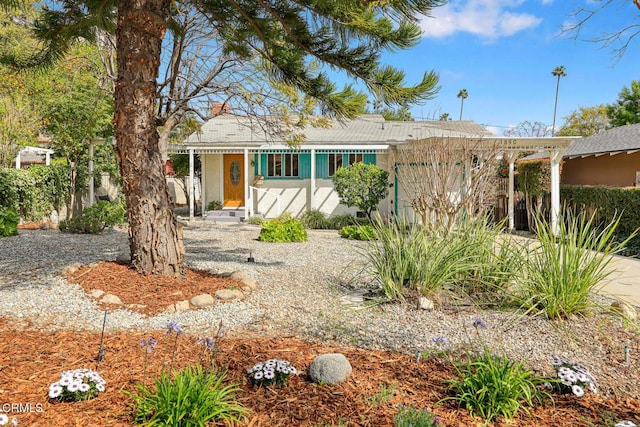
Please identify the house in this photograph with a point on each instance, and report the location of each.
(248, 169)
(243, 166)
(610, 157)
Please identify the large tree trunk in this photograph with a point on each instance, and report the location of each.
(155, 238)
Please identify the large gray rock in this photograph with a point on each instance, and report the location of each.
(331, 368)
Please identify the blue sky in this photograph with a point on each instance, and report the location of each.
(503, 52)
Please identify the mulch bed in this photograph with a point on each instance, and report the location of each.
(151, 294)
(30, 360)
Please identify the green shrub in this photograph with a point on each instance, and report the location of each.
(96, 218)
(358, 232)
(339, 221)
(9, 221)
(489, 386)
(284, 229)
(409, 416)
(560, 274)
(314, 219)
(361, 185)
(193, 397)
(214, 205)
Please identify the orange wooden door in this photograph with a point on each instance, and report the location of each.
(233, 180)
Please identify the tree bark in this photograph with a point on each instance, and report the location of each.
(155, 237)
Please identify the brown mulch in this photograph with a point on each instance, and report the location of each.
(30, 360)
(148, 295)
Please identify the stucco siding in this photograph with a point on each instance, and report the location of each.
(618, 170)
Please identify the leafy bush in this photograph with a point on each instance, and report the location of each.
(362, 185)
(409, 416)
(560, 274)
(96, 218)
(491, 386)
(214, 205)
(283, 229)
(337, 222)
(358, 232)
(314, 219)
(9, 221)
(193, 397)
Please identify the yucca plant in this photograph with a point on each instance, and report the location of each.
(563, 269)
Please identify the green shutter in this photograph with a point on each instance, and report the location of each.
(255, 164)
(322, 166)
(369, 159)
(304, 165)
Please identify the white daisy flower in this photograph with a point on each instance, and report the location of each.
(73, 387)
(577, 390)
(4, 419)
(100, 387)
(84, 387)
(269, 374)
(258, 375)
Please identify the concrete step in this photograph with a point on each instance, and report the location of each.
(225, 215)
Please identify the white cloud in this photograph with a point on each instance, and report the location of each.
(489, 19)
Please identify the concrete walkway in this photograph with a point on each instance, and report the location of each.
(624, 283)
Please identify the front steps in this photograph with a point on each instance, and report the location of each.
(225, 215)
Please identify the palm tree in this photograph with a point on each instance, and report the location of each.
(463, 94)
(557, 72)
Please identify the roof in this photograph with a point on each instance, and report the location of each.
(372, 129)
(611, 141)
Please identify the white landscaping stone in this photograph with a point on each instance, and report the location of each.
(70, 269)
(111, 299)
(625, 309)
(238, 275)
(228, 294)
(96, 293)
(331, 368)
(202, 300)
(250, 283)
(182, 306)
(425, 303)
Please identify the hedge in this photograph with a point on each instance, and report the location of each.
(606, 202)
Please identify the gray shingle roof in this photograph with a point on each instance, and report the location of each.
(367, 129)
(623, 138)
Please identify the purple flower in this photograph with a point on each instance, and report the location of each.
(436, 420)
(208, 343)
(149, 344)
(173, 327)
(478, 323)
(440, 340)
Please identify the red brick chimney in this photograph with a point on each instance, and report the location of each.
(219, 108)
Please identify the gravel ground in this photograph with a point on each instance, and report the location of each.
(306, 289)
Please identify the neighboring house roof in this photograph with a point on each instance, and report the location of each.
(612, 141)
(369, 129)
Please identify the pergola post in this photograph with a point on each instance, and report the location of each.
(191, 183)
(555, 158)
(246, 182)
(313, 180)
(510, 156)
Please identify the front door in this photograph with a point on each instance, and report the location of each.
(233, 180)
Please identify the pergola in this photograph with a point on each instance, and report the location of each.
(33, 151)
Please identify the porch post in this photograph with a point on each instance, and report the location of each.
(312, 202)
(203, 199)
(511, 157)
(191, 183)
(555, 159)
(18, 160)
(47, 158)
(246, 182)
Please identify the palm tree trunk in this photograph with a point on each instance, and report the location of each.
(155, 238)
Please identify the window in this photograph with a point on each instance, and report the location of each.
(282, 165)
(335, 163)
(355, 158)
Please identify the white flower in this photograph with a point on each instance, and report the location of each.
(100, 387)
(577, 390)
(55, 390)
(625, 424)
(271, 363)
(84, 387)
(4, 419)
(593, 388)
(73, 387)
(65, 380)
(582, 377)
(269, 374)
(258, 375)
(14, 422)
